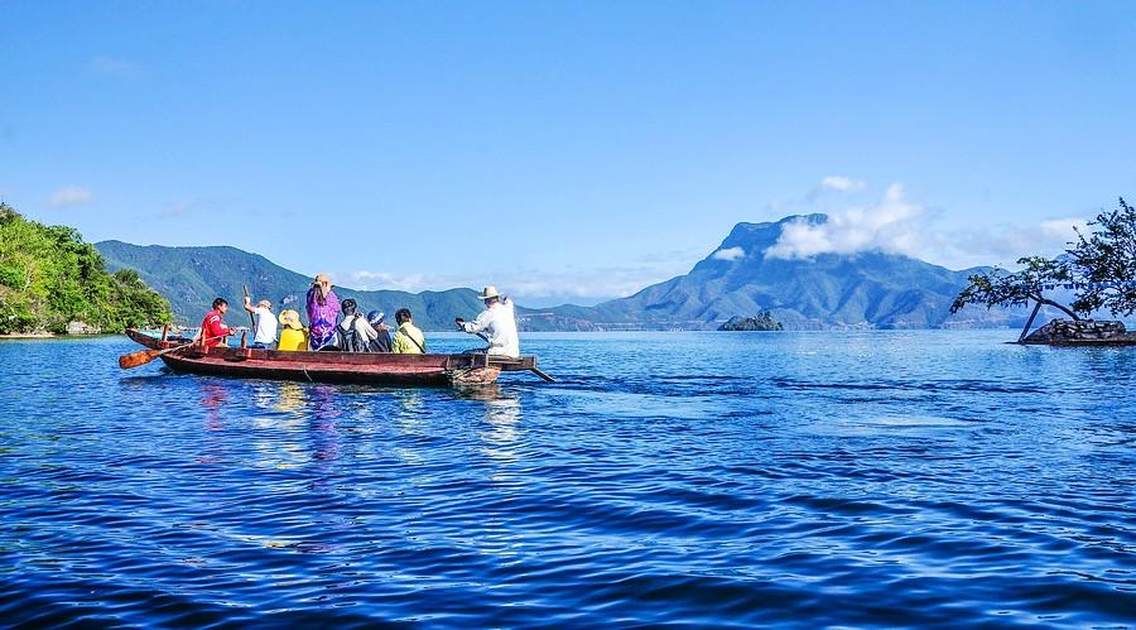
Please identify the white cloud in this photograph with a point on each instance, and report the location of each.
(1000, 244)
(1063, 228)
(114, 67)
(70, 196)
(863, 222)
(892, 225)
(730, 253)
(415, 282)
(895, 225)
(841, 183)
(531, 286)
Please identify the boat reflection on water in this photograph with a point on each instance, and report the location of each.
(213, 398)
(278, 429)
(326, 412)
(409, 412)
(290, 397)
(499, 436)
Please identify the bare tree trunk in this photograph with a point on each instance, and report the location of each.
(1029, 323)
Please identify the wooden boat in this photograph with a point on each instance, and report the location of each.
(334, 367)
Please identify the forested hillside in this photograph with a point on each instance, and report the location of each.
(190, 277)
(50, 277)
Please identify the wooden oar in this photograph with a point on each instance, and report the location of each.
(547, 379)
(534, 369)
(248, 299)
(142, 357)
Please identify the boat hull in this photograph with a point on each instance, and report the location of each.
(423, 370)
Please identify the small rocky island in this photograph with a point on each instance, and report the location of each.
(762, 321)
(1087, 332)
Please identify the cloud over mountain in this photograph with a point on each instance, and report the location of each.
(729, 253)
(891, 225)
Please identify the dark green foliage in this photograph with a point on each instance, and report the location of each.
(1105, 262)
(1101, 267)
(49, 277)
(998, 287)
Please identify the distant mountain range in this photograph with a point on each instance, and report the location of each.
(864, 290)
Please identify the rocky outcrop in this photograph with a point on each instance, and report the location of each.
(763, 321)
(1067, 331)
(81, 328)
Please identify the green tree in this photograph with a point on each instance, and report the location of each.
(49, 277)
(1101, 267)
(1105, 262)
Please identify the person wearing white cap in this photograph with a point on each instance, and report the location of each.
(264, 323)
(497, 324)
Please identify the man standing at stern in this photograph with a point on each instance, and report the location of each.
(497, 324)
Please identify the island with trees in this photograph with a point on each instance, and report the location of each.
(1098, 270)
(53, 282)
(762, 321)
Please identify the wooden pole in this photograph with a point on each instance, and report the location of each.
(252, 321)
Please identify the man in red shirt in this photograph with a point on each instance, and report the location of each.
(213, 328)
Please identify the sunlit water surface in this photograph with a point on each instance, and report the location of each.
(700, 479)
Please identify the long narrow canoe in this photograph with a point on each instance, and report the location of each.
(335, 367)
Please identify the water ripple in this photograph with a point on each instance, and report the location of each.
(860, 479)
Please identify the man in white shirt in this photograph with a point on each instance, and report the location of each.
(264, 323)
(497, 324)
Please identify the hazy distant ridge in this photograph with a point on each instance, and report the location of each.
(865, 290)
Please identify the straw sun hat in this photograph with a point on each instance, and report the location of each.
(489, 292)
(290, 319)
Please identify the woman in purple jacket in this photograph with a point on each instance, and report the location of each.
(323, 312)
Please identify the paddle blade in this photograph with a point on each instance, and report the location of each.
(134, 359)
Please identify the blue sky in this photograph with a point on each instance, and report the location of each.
(565, 151)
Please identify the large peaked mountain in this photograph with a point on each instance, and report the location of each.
(865, 290)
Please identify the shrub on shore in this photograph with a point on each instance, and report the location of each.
(49, 277)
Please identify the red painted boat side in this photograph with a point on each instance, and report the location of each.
(328, 367)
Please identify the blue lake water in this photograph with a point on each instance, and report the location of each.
(700, 479)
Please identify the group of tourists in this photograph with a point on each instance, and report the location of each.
(335, 325)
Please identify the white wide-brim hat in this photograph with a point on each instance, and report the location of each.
(489, 292)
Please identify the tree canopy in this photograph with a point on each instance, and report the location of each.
(49, 277)
(1105, 262)
(1100, 267)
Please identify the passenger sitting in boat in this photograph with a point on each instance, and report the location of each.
(354, 333)
(213, 328)
(382, 343)
(264, 323)
(407, 339)
(323, 312)
(497, 324)
(293, 337)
